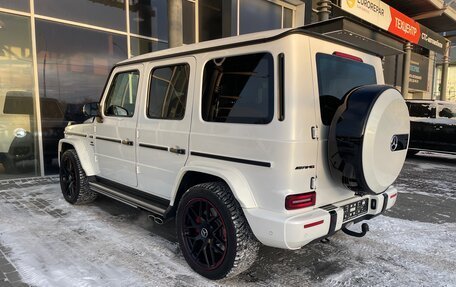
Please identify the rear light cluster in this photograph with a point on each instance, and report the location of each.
(303, 200)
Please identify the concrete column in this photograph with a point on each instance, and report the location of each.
(324, 10)
(444, 83)
(406, 69)
(175, 25)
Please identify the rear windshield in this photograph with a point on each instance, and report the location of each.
(337, 76)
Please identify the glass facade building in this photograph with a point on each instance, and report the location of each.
(55, 56)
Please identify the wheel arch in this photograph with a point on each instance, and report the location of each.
(84, 151)
(238, 185)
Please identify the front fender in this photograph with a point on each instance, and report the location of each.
(85, 154)
(234, 178)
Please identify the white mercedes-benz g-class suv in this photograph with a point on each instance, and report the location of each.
(281, 137)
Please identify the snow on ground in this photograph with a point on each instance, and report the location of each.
(55, 244)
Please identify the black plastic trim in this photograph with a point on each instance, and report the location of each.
(232, 159)
(163, 148)
(329, 207)
(281, 84)
(108, 139)
(332, 223)
(385, 202)
(133, 192)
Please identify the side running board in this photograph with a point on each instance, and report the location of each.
(128, 198)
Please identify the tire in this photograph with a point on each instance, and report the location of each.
(368, 139)
(73, 180)
(213, 233)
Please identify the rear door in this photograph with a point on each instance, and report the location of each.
(164, 124)
(337, 70)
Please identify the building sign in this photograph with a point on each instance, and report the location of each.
(419, 72)
(386, 17)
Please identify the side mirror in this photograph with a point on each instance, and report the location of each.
(90, 110)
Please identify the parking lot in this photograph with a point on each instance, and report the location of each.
(46, 242)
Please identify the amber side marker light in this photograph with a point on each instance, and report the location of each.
(348, 56)
(303, 200)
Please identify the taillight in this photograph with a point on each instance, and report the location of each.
(303, 200)
(348, 56)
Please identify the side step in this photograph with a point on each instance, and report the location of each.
(134, 200)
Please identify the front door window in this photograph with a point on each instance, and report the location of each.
(121, 98)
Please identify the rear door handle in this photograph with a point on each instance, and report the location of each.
(177, 150)
(127, 142)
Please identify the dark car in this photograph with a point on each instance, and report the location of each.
(22, 147)
(432, 126)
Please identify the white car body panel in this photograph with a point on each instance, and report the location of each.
(291, 160)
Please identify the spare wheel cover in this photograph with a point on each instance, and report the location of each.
(368, 139)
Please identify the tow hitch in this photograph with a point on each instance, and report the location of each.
(364, 230)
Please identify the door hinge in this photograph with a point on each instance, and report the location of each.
(313, 182)
(314, 132)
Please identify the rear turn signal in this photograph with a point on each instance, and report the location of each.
(297, 201)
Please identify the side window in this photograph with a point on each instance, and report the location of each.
(239, 89)
(421, 110)
(168, 92)
(121, 98)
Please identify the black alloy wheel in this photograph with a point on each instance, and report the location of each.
(68, 179)
(214, 235)
(204, 233)
(73, 179)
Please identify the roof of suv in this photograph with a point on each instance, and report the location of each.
(234, 41)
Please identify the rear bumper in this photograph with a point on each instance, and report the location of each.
(292, 232)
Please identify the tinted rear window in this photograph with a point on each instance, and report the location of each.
(337, 76)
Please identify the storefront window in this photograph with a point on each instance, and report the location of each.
(73, 64)
(18, 142)
(217, 19)
(259, 15)
(149, 18)
(287, 18)
(106, 13)
(22, 5)
(188, 19)
(141, 46)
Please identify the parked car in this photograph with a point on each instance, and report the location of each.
(432, 126)
(18, 129)
(280, 137)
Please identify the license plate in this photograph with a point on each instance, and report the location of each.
(355, 209)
